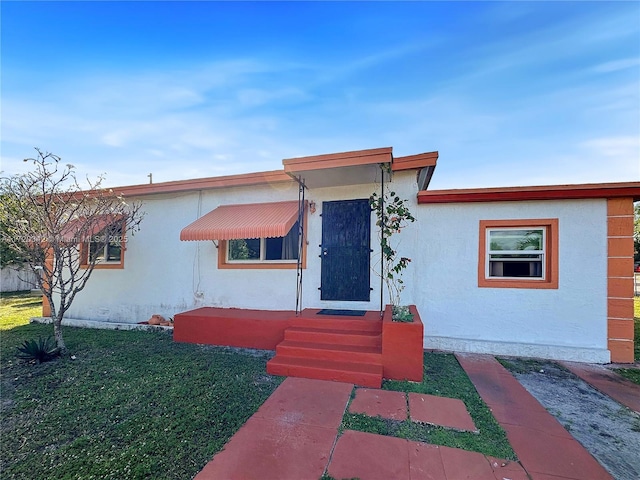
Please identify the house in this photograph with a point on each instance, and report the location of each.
(544, 271)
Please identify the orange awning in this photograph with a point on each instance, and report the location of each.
(82, 229)
(255, 220)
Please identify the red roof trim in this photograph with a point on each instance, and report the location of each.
(333, 160)
(241, 180)
(413, 162)
(544, 192)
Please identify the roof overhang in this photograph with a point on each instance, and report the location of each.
(544, 192)
(228, 181)
(424, 163)
(253, 220)
(339, 169)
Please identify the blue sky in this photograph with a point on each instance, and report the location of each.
(514, 93)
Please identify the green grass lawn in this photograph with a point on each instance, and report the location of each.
(443, 376)
(131, 405)
(137, 405)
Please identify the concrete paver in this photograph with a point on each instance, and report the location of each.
(425, 462)
(310, 402)
(294, 435)
(610, 383)
(385, 403)
(289, 437)
(548, 452)
(265, 449)
(368, 456)
(447, 412)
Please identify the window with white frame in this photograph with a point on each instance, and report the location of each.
(516, 253)
(275, 250)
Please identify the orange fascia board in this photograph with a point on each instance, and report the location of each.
(414, 162)
(334, 160)
(543, 192)
(241, 180)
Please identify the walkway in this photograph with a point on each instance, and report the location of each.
(545, 449)
(294, 435)
(605, 381)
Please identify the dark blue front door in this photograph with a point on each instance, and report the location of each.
(345, 250)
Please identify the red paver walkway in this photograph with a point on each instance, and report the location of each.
(294, 436)
(289, 437)
(368, 456)
(447, 412)
(385, 403)
(608, 382)
(545, 449)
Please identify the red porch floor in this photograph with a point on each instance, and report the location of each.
(324, 347)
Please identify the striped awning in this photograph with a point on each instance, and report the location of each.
(83, 229)
(255, 220)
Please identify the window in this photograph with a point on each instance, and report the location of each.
(518, 253)
(278, 252)
(106, 247)
(278, 249)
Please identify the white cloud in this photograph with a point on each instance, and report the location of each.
(616, 65)
(628, 146)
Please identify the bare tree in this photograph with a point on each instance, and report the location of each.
(61, 230)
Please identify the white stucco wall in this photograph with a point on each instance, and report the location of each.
(565, 323)
(165, 275)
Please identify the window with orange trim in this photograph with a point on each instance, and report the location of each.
(107, 248)
(518, 253)
(264, 253)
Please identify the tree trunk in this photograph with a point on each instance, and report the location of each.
(57, 333)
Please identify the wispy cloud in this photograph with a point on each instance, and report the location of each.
(617, 65)
(512, 95)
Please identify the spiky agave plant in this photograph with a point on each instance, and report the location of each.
(41, 350)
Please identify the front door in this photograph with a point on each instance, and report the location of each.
(345, 250)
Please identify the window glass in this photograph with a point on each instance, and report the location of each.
(516, 239)
(106, 246)
(265, 249)
(506, 253)
(244, 249)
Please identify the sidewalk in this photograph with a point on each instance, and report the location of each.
(605, 381)
(545, 449)
(294, 435)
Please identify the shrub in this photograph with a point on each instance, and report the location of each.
(41, 350)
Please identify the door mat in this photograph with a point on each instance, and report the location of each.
(344, 313)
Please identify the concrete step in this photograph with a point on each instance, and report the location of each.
(327, 351)
(333, 336)
(362, 374)
(338, 323)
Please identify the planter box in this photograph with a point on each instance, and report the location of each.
(402, 347)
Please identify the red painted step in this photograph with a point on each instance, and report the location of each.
(333, 336)
(363, 374)
(326, 351)
(338, 323)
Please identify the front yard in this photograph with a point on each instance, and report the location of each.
(131, 405)
(137, 405)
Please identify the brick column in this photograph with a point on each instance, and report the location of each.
(620, 279)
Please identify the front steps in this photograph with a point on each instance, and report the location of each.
(344, 349)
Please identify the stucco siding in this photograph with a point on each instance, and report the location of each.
(165, 275)
(455, 309)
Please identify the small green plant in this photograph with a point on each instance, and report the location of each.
(401, 313)
(393, 215)
(41, 350)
